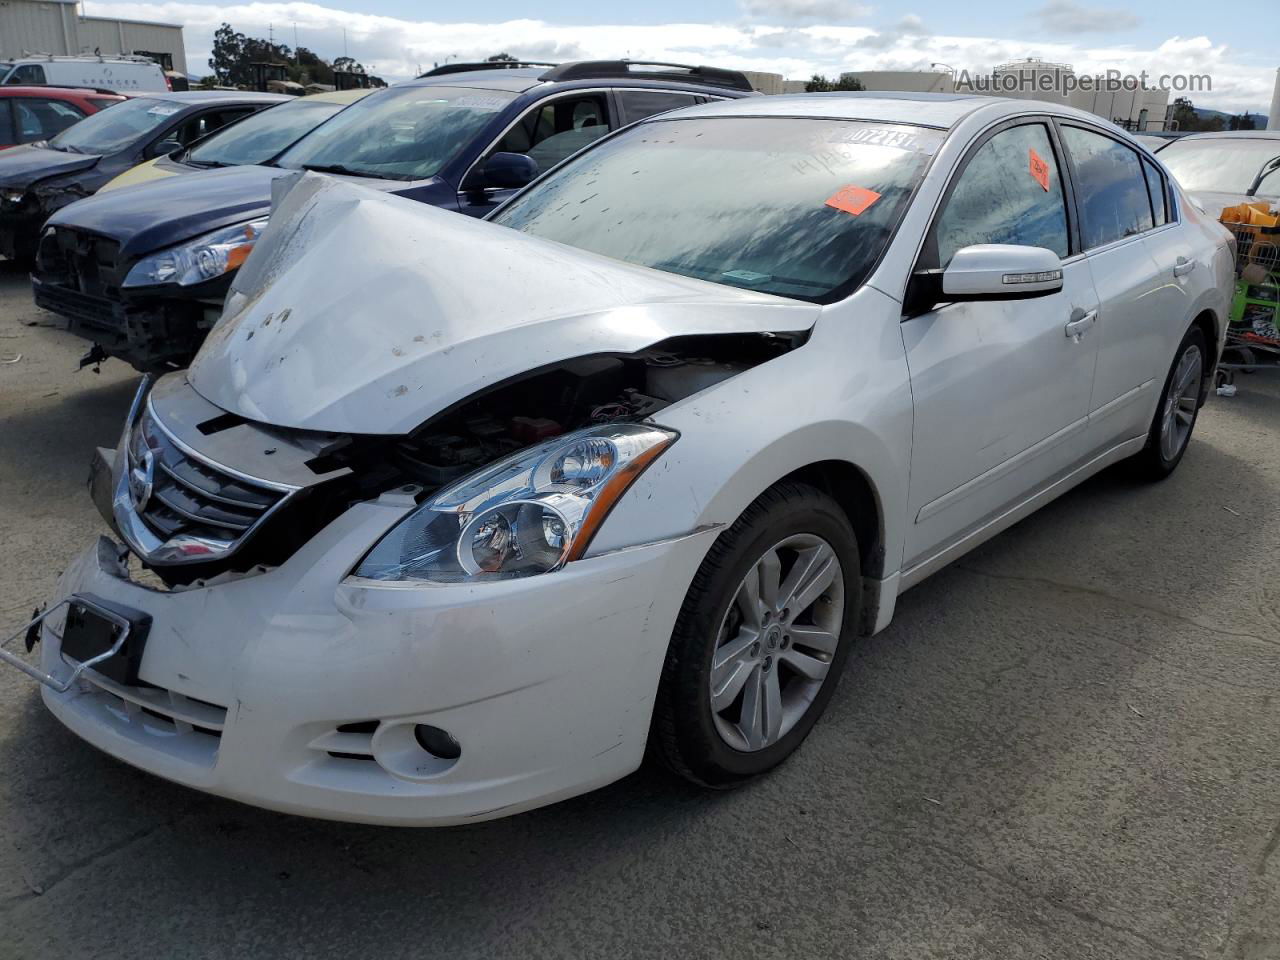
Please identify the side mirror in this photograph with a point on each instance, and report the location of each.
(1001, 271)
(509, 170)
(164, 148)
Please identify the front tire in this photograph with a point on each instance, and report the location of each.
(761, 639)
(1179, 407)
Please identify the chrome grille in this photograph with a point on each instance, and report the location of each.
(181, 498)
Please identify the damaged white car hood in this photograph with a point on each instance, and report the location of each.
(359, 312)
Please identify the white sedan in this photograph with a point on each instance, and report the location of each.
(452, 519)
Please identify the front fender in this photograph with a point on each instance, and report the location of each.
(844, 395)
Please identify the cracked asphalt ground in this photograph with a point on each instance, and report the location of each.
(1065, 746)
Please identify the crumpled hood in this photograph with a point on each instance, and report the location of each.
(359, 312)
(20, 167)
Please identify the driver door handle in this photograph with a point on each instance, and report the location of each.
(1080, 323)
(1183, 266)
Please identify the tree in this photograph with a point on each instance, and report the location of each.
(500, 56)
(233, 54)
(818, 83)
(1242, 122)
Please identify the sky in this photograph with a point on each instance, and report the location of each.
(1237, 45)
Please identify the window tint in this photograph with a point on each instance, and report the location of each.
(557, 130)
(40, 119)
(1010, 192)
(1111, 188)
(638, 104)
(799, 208)
(1156, 191)
(27, 73)
(103, 102)
(6, 125)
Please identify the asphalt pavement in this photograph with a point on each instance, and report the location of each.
(1067, 745)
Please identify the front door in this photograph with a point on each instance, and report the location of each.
(548, 132)
(1000, 387)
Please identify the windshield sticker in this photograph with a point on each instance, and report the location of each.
(164, 109)
(481, 103)
(854, 200)
(1039, 170)
(879, 136)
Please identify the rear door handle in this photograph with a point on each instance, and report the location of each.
(1080, 323)
(1183, 266)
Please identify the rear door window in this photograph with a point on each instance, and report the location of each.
(6, 124)
(638, 104)
(1110, 186)
(1010, 191)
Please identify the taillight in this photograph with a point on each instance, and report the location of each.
(168, 82)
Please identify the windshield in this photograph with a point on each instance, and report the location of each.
(110, 131)
(405, 133)
(261, 136)
(1222, 164)
(800, 208)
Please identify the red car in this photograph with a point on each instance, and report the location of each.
(28, 114)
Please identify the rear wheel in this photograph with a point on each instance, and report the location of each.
(1175, 417)
(761, 639)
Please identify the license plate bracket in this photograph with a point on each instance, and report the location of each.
(87, 634)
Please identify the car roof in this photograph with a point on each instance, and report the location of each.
(35, 90)
(215, 96)
(516, 80)
(336, 96)
(941, 111)
(1234, 135)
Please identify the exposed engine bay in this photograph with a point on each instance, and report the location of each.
(338, 470)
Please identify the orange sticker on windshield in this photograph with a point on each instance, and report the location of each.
(853, 200)
(1039, 169)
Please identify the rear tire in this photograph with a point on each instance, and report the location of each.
(1176, 414)
(761, 639)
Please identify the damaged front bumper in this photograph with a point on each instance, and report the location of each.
(299, 689)
(150, 334)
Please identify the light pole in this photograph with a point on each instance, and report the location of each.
(951, 70)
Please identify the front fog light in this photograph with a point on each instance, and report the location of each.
(528, 514)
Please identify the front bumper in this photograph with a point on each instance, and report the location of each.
(547, 683)
(151, 334)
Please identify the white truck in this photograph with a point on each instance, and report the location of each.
(125, 74)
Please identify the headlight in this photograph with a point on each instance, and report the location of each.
(198, 260)
(11, 198)
(530, 513)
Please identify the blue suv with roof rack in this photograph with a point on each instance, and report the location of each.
(142, 271)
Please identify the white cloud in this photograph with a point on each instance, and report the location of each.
(824, 10)
(1065, 16)
(912, 24)
(396, 48)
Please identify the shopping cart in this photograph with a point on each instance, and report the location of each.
(1253, 334)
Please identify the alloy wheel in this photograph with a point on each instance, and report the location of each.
(776, 642)
(1180, 403)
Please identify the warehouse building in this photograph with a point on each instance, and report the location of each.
(56, 27)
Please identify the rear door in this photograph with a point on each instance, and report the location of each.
(1001, 389)
(1134, 293)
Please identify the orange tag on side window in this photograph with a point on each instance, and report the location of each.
(1039, 169)
(853, 200)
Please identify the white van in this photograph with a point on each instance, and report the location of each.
(119, 74)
